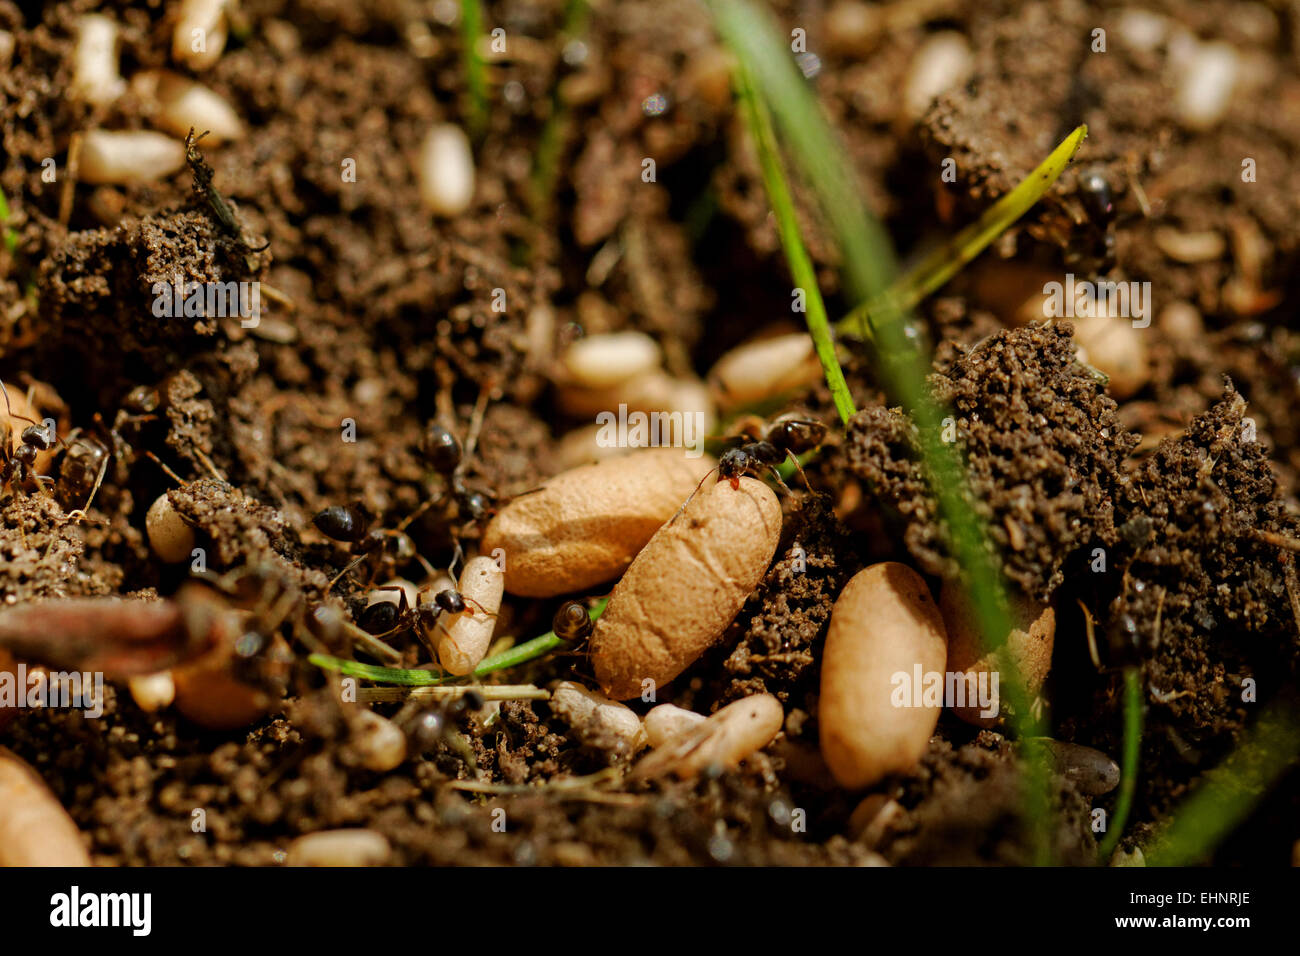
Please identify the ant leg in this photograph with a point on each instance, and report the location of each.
(457, 556)
(338, 577)
(481, 608)
(405, 523)
(99, 479)
(166, 470)
(776, 475)
(692, 495)
(799, 468)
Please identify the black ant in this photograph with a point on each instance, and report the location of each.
(82, 469)
(769, 446)
(1098, 200)
(351, 524)
(383, 618)
(434, 725)
(18, 465)
(442, 451)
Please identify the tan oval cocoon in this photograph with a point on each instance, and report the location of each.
(599, 361)
(340, 848)
(131, 156)
(35, 830)
(1029, 643)
(686, 586)
(668, 721)
(585, 525)
(884, 622)
(757, 370)
(468, 635)
(179, 105)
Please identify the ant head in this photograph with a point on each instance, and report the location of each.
(475, 505)
(1095, 194)
(41, 435)
(733, 463)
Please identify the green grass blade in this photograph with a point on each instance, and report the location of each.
(1133, 703)
(801, 266)
(10, 237)
(471, 29)
(550, 142)
(944, 262)
(415, 677)
(1230, 791)
(901, 366)
(869, 262)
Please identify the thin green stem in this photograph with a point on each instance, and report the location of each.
(1229, 792)
(1129, 767)
(554, 132)
(471, 29)
(801, 267)
(417, 677)
(944, 262)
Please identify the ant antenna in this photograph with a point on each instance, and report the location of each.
(166, 470)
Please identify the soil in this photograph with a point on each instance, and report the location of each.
(381, 319)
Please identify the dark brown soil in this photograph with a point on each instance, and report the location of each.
(383, 318)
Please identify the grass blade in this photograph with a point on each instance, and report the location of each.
(471, 29)
(416, 677)
(1230, 791)
(943, 263)
(1132, 748)
(869, 262)
(801, 267)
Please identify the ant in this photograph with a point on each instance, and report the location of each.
(82, 469)
(351, 524)
(203, 186)
(383, 618)
(769, 445)
(434, 725)
(18, 465)
(442, 451)
(1098, 201)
